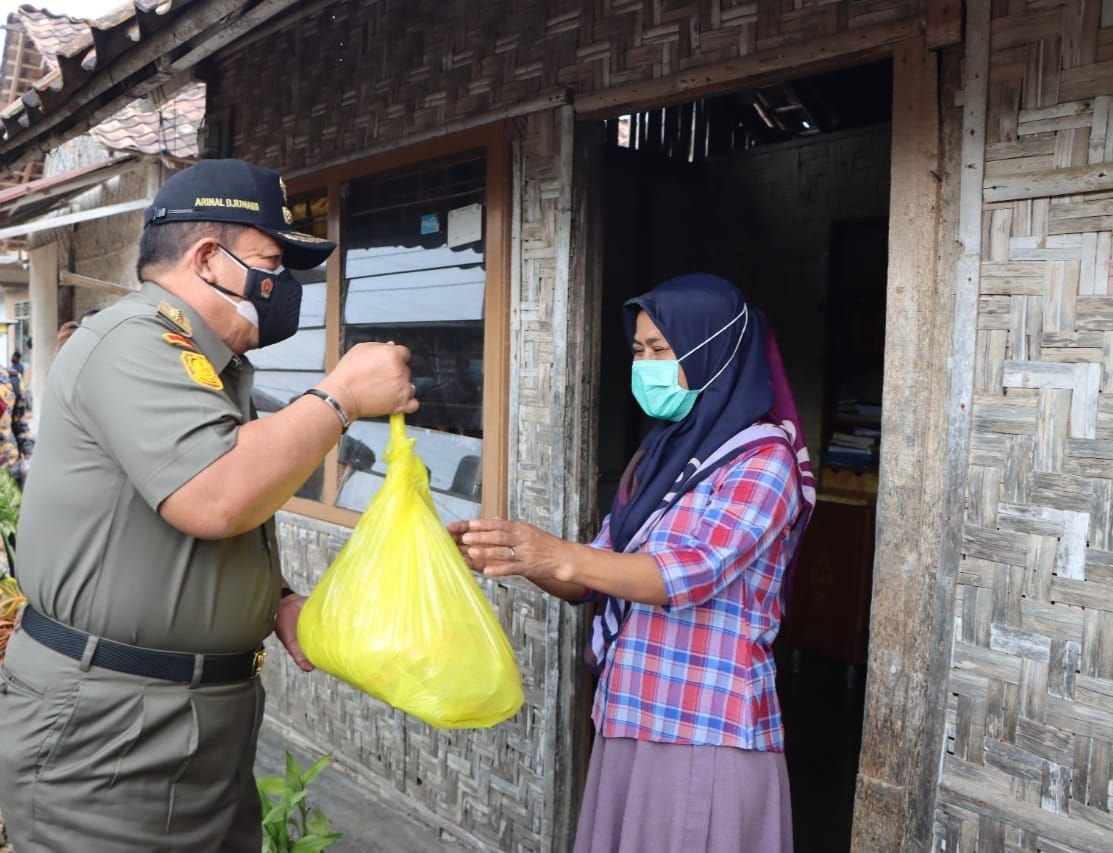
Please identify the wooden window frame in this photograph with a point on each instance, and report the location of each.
(493, 139)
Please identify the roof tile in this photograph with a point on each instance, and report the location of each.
(75, 49)
(53, 34)
(66, 44)
(167, 129)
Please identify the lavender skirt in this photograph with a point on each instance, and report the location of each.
(675, 798)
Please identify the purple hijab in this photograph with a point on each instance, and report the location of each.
(752, 387)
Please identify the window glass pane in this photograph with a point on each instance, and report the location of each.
(413, 272)
(284, 370)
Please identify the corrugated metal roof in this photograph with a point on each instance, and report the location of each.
(28, 201)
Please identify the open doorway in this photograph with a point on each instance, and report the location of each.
(783, 190)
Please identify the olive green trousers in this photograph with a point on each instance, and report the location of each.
(102, 762)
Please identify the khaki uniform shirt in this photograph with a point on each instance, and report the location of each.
(141, 399)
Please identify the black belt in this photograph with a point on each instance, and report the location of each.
(133, 660)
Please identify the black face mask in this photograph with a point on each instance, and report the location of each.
(273, 303)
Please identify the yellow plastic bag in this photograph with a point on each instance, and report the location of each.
(399, 615)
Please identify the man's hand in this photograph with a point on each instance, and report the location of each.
(373, 379)
(286, 629)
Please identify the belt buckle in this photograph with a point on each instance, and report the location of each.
(257, 662)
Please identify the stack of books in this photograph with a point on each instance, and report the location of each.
(857, 448)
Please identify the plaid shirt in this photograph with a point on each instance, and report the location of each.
(700, 670)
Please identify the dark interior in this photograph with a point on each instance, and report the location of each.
(783, 190)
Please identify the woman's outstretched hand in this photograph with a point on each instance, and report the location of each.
(498, 548)
(457, 529)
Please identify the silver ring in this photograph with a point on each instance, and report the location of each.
(513, 554)
(413, 390)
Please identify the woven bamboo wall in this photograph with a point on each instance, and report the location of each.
(1029, 749)
(335, 82)
(494, 787)
(370, 75)
(101, 248)
(487, 787)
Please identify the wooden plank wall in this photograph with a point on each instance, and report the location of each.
(1028, 750)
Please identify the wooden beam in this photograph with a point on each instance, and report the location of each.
(247, 23)
(497, 311)
(895, 796)
(1072, 180)
(17, 63)
(74, 280)
(944, 23)
(44, 293)
(330, 489)
(305, 11)
(838, 51)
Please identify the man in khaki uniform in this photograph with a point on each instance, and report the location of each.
(129, 695)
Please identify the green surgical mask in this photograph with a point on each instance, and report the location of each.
(655, 383)
(656, 387)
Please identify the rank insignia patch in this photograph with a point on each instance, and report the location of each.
(179, 340)
(201, 370)
(175, 316)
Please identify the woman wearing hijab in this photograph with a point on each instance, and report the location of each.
(689, 571)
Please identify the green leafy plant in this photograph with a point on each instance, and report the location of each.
(11, 597)
(290, 823)
(11, 499)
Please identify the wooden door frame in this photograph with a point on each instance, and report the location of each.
(918, 487)
(924, 423)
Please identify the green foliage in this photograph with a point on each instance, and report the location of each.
(10, 500)
(290, 824)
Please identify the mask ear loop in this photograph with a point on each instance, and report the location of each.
(744, 313)
(281, 268)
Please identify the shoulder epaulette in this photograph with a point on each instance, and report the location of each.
(176, 317)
